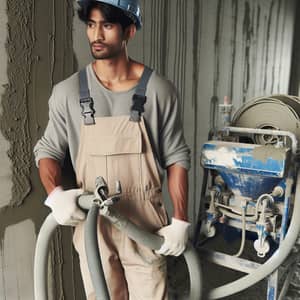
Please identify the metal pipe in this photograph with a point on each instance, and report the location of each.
(273, 263)
(287, 282)
(202, 195)
(243, 233)
(266, 131)
(225, 209)
(232, 215)
(287, 198)
(229, 261)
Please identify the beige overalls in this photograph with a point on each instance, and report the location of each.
(118, 148)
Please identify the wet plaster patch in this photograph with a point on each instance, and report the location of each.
(16, 265)
(14, 115)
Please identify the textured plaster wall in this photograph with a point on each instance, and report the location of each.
(17, 231)
(5, 170)
(35, 53)
(14, 119)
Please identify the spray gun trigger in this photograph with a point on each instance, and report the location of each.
(101, 193)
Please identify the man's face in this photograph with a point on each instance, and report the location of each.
(106, 39)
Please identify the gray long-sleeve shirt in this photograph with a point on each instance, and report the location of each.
(162, 118)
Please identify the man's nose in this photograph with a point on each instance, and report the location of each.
(98, 33)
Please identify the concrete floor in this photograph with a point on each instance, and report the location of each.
(214, 276)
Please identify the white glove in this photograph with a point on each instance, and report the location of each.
(176, 236)
(64, 206)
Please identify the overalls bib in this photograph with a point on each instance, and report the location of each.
(118, 148)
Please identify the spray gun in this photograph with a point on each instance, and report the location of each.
(102, 198)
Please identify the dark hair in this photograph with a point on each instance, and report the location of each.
(111, 13)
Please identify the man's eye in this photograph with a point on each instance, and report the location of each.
(108, 25)
(90, 25)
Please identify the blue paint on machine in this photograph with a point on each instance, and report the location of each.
(271, 293)
(248, 170)
(249, 185)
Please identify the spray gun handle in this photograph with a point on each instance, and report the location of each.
(86, 200)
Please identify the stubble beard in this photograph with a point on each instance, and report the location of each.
(108, 53)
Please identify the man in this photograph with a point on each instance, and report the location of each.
(120, 121)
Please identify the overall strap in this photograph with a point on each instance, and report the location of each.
(139, 98)
(86, 102)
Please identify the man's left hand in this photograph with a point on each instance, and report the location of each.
(176, 236)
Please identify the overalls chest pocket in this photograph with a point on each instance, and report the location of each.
(116, 157)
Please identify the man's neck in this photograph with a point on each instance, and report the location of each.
(112, 69)
(117, 74)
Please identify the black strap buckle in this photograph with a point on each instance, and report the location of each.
(138, 103)
(88, 111)
(138, 107)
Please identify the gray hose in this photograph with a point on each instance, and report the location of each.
(154, 242)
(134, 232)
(194, 267)
(93, 254)
(91, 245)
(41, 258)
(273, 263)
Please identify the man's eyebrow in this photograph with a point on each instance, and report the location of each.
(91, 21)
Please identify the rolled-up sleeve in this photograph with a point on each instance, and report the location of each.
(53, 143)
(173, 145)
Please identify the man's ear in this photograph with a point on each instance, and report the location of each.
(130, 32)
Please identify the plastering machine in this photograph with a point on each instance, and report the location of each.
(251, 185)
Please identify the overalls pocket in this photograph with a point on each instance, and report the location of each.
(116, 158)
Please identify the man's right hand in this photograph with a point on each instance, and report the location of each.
(64, 206)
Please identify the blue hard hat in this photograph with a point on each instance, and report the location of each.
(130, 7)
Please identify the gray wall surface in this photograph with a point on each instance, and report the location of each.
(36, 52)
(208, 48)
(5, 172)
(295, 72)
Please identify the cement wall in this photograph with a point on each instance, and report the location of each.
(209, 49)
(15, 265)
(5, 171)
(36, 51)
